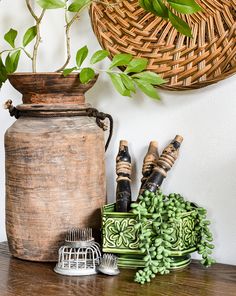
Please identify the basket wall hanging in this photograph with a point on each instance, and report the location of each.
(186, 63)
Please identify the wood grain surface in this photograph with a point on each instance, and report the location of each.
(22, 278)
(55, 180)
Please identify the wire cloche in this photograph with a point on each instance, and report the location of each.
(80, 255)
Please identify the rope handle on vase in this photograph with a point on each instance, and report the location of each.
(12, 109)
(100, 117)
(90, 112)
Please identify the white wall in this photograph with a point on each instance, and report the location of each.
(206, 169)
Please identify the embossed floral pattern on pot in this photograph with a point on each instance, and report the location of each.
(120, 233)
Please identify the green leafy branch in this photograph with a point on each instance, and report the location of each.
(155, 215)
(34, 32)
(167, 8)
(125, 82)
(13, 54)
(11, 62)
(75, 7)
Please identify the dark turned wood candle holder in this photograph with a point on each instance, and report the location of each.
(123, 171)
(164, 164)
(149, 163)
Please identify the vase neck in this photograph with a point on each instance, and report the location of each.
(54, 99)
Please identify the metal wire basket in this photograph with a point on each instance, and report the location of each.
(80, 255)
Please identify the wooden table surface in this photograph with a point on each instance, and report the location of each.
(22, 278)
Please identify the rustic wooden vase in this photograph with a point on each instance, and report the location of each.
(55, 172)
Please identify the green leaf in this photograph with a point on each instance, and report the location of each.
(147, 5)
(10, 37)
(118, 84)
(147, 88)
(3, 71)
(86, 75)
(134, 205)
(8, 63)
(29, 35)
(81, 55)
(99, 56)
(128, 82)
(77, 5)
(179, 24)
(137, 226)
(51, 4)
(1, 63)
(150, 77)
(12, 61)
(185, 6)
(67, 71)
(160, 9)
(158, 242)
(137, 65)
(121, 59)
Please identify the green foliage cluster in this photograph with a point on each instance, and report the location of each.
(13, 53)
(125, 82)
(134, 75)
(155, 232)
(167, 9)
(73, 6)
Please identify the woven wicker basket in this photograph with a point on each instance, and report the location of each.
(186, 63)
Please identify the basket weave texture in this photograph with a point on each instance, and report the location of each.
(186, 63)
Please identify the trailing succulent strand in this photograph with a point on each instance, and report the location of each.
(155, 214)
(205, 246)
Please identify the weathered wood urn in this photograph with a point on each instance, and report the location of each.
(55, 171)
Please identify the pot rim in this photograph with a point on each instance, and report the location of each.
(48, 74)
(50, 87)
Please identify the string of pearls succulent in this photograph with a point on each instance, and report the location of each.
(155, 212)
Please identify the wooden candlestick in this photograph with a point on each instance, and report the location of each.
(149, 162)
(123, 171)
(164, 164)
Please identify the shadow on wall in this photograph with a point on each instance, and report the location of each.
(100, 94)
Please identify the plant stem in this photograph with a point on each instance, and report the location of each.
(36, 46)
(8, 50)
(27, 53)
(31, 10)
(38, 37)
(106, 71)
(18, 48)
(68, 49)
(68, 27)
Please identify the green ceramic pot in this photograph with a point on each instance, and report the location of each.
(121, 238)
